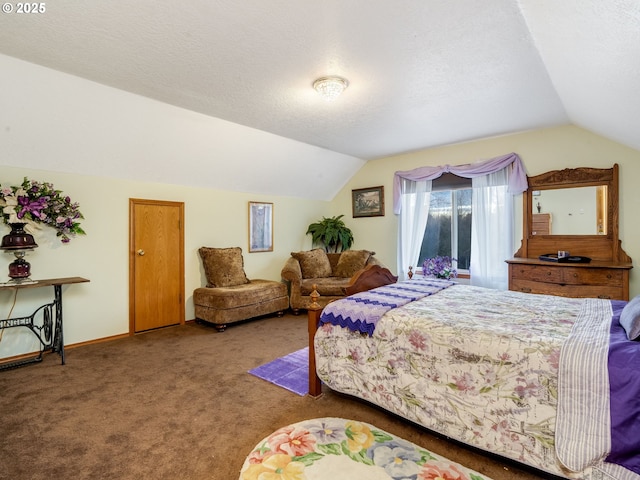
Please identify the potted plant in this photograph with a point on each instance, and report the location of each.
(332, 233)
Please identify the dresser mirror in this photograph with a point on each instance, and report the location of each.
(571, 211)
(574, 210)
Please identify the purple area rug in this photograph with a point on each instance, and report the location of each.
(290, 372)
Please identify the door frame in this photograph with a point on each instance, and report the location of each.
(132, 252)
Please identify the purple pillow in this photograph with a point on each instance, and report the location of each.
(630, 318)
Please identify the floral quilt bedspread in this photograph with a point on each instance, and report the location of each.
(485, 373)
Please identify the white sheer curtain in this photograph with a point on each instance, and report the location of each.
(491, 230)
(494, 182)
(415, 200)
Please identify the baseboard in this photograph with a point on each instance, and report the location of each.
(24, 356)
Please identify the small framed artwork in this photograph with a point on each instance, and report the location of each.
(368, 202)
(260, 227)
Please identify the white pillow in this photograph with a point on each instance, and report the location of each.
(630, 318)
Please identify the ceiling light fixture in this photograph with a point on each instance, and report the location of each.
(330, 88)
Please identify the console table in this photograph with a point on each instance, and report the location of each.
(49, 330)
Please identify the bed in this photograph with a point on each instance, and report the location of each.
(547, 381)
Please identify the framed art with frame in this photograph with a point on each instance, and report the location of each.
(368, 202)
(260, 227)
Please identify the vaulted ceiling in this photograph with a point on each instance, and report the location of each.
(422, 73)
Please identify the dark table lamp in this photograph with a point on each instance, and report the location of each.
(19, 243)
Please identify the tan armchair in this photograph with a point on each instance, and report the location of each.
(330, 272)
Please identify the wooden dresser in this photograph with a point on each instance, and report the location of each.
(594, 280)
(607, 275)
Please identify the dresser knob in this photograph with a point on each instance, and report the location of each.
(525, 290)
(575, 275)
(609, 275)
(548, 273)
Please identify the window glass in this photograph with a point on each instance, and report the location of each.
(448, 231)
(463, 211)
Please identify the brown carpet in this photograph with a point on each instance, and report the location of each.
(176, 403)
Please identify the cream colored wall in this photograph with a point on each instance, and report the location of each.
(541, 150)
(100, 308)
(47, 118)
(219, 218)
(50, 121)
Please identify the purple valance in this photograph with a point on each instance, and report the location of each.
(517, 178)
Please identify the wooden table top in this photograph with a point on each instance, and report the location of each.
(44, 283)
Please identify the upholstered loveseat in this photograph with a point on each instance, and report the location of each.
(330, 272)
(229, 295)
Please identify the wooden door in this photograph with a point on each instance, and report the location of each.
(156, 264)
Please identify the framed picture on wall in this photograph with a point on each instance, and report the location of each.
(260, 227)
(368, 202)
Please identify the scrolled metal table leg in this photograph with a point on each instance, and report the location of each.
(58, 339)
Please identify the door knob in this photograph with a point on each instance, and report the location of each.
(141, 252)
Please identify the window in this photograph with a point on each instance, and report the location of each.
(448, 229)
(495, 181)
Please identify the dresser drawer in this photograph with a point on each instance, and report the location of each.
(592, 276)
(588, 281)
(536, 273)
(565, 290)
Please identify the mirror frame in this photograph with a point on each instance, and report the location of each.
(598, 246)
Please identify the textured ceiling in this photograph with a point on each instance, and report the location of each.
(422, 73)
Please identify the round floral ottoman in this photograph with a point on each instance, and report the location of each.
(339, 449)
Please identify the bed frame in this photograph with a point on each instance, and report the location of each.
(366, 279)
